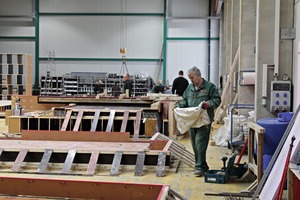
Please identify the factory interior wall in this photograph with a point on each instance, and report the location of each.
(187, 39)
(296, 56)
(89, 36)
(23, 30)
(84, 36)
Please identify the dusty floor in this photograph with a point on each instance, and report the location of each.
(184, 182)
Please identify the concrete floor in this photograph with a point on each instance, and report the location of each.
(184, 182)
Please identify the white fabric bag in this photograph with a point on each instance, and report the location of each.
(192, 117)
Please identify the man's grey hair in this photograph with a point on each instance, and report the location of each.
(194, 70)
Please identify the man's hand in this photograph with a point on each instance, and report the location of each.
(205, 105)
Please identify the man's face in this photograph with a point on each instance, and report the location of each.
(195, 79)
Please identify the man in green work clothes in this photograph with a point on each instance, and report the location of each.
(199, 91)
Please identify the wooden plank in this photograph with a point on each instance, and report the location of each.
(30, 103)
(75, 136)
(92, 163)
(260, 151)
(104, 101)
(95, 121)
(157, 144)
(78, 120)
(45, 160)
(116, 163)
(155, 136)
(28, 65)
(110, 120)
(66, 121)
(167, 146)
(19, 160)
(140, 160)
(81, 147)
(220, 109)
(60, 187)
(150, 127)
(69, 161)
(14, 124)
(172, 129)
(8, 113)
(124, 121)
(137, 125)
(257, 128)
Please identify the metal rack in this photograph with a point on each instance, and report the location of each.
(82, 83)
(238, 124)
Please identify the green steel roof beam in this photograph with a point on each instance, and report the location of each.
(191, 38)
(165, 42)
(17, 38)
(37, 45)
(102, 14)
(103, 59)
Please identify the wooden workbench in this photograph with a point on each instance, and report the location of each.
(293, 182)
(93, 100)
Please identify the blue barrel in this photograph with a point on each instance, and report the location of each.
(274, 130)
(266, 160)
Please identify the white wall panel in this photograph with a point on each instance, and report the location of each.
(214, 62)
(16, 31)
(145, 37)
(188, 8)
(16, 7)
(188, 28)
(103, 6)
(153, 6)
(100, 36)
(215, 27)
(135, 68)
(77, 37)
(183, 55)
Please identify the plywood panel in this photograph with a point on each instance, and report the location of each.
(30, 103)
(14, 125)
(150, 127)
(75, 136)
(28, 74)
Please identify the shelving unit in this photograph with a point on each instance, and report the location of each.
(52, 85)
(70, 85)
(15, 75)
(86, 85)
(140, 86)
(110, 80)
(82, 83)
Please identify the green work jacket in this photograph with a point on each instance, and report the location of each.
(206, 92)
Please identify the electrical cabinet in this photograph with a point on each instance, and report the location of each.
(15, 75)
(280, 96)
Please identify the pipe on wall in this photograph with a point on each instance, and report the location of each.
(276, 39)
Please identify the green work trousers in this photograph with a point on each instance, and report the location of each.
(199, 138)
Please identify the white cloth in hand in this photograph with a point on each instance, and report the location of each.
(192, 117)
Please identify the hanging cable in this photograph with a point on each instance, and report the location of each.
(123, 37)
